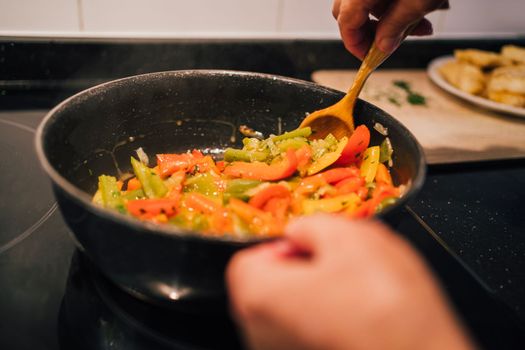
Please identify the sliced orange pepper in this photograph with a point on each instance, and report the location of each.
(265, 194)
(150, 208)
(259, 222)
(175, 185)
(357, 144)
(365, 210)
(278, 206)
(220, 221)
(383, 175)
(262, 171)
(201, 203)
(133, 184)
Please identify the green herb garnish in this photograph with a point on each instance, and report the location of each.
(413, 98)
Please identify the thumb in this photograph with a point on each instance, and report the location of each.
(318, 235)
(401, 19)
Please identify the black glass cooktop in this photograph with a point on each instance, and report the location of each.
(468, 222)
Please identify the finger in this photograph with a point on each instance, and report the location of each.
(335, 8)
(319, 235)
(355, 26)
(402, 16)
(254, 277)
(423, 28)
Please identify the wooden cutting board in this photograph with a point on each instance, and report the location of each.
(449, 129)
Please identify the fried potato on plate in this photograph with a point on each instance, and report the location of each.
(507, 85)
(464, 76)
(481, 58)
(514, 53)
(508, 98)
(508, 79)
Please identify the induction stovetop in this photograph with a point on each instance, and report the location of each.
(468, 224)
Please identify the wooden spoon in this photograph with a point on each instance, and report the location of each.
(338, 119)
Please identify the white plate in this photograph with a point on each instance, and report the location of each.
(435, 76)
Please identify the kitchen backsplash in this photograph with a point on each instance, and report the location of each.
(231, 18)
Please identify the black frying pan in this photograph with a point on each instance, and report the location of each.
(96, 131)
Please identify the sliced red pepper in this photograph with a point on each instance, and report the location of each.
(380, 193)
(383, 191)
(220, 165)
(150, 208)
(313, 183)
(197, 154)
(337, 174)
(262, 171)
(357, 144)
(205, 164)
(170, 163)
(271, 191)
(349, 185)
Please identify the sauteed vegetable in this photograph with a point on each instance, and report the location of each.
(257, 189)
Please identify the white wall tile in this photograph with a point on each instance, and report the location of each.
(231, 18)
(485, 17)
(39, 15)
(172, 16)
(305, 17)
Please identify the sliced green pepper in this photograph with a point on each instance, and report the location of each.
(232, 154)
(135, 194)
(198, 222)
(237, 188)
(302, 132)
(295, 143)
(110, 193)
(386, 203)
(152, 184)
(202, 183)
(330, 140)
(386, 151)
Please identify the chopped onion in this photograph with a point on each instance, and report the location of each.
(381, 129)
(143, 157)
(249, 132)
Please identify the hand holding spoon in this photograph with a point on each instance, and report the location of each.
(338, 119)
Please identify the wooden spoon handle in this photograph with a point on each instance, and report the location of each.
(372, 60)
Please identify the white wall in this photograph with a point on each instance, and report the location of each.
(230, 18)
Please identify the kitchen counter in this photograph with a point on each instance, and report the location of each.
(467, 221)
